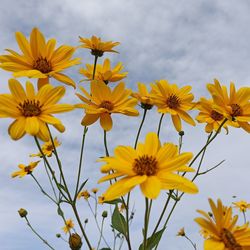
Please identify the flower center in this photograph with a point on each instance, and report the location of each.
(97, 52)
(216, 116)
(30, 108)
(145, 165)
(173, 102)
(229, 240)
(236, 110)
(43, 65)
(27, 169)
(106, 105)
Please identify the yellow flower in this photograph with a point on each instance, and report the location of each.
(150, 165)
(97, 46)
(85, 194)
(47, 148)
(235, 106)
(39, 59)
(25, 169)
(31, 110)
(242, 205)
(68, 225)
(209, 115)
(181, 232)
(102, 102)
(143, 96)
(173, 100)
(104, 72)
(94, 190)
(221, 230)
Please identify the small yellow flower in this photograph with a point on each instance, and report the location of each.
(104, 72)
(85, 194)
(235, 105)
(181, 232)
(32, 111)
(122, 208)
(39, 59)
(47, 148)
(173, 100)
(242, 205)
(25, 169)
(102, 102)
(94, 190)
(97, 46)
(68, 226)
(101, 199)
(143, 96)
(220, 230)
(209, 115)
(151, 166)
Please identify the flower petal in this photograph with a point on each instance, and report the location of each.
(151, 187)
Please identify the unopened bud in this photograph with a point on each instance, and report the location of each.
(58, 235)
(75, 242)
(86, 221)
(22, 212)
(104, 214)
(181, 133)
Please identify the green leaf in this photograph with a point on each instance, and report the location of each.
(119, 222)
(82, 186)
(153, 240)
(115, 201)
(60, 212)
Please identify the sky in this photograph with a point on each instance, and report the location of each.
(186, 42)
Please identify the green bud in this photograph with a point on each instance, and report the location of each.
(104, 214)
(75, 242)
(58, 235)
(181, 133)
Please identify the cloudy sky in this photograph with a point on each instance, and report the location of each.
(187, 42)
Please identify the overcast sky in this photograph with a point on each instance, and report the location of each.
(186, 42)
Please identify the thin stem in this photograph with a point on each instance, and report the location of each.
(139, 130)
(105, 143)
(42, 190)
(193, 244)
(80, 161)
(127, 221)
(159, 126)
(244, 215)
(146, 216)
(100, 238)
(38, 235)
(95, 62)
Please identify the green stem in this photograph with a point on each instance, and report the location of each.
(139, 130)
(39, 236)
(105, 143)
(159, 126)
(146, 217)
(80, 161)
(100, 238)
(42, 190)
(127, 221)
(244, 215)
(95, 62)
(193, 244)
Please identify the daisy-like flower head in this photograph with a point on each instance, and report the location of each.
(242, 205)
(143, 96)
(48, 148)
(104, 72)
(97, 46)
(102, 102)
(94, 190)
(68, 226)
(85, 194)
(31, 110)
(151, 165)
(25, 169)
(209, 115)
(39, 59)
(220, 229)
(181, 232)
(173, 100)
(235, 106)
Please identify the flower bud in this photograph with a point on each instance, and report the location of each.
(75, 242)
(22, 212)
(104, 214)
(181, 133)
(58, 235)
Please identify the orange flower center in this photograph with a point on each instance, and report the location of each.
(216, 116)
(43, 65)
(106, 105)
(30, 108)
(229, 240)
(28, 170)
(173, 102)
(97, 52)
(236, 110)
(145, 165)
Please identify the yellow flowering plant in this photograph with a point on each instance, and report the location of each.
(156, 166)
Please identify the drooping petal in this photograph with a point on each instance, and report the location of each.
(151, 187)
(32, 125)
(17, 128)
(106, 121)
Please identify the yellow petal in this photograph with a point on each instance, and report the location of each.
(17, 129)
(106, 121)
(213, 245)
(41, 82)
(32, 125)
(151, 187)
(136, 180)
(17, 90)
(177, 122)
(89, 119)
(24, 45)
(152, 144)
(65, 79)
